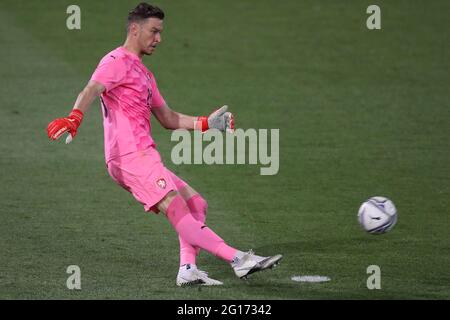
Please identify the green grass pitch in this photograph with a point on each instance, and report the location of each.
(361, 113)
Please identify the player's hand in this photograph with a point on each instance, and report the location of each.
(58, 127)
(219, 119)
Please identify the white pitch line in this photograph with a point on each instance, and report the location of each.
(310, 278)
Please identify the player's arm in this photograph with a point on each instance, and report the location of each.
(92, 90)
(170, 119)
(70, 124)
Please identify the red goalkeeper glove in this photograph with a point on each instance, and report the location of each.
(219, 119)
(70, 124)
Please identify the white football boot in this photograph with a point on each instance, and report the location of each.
(250, 263)
(190, 275)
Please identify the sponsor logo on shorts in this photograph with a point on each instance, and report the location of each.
(161, 183)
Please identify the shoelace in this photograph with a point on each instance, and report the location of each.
(201, 273)
(251, 255)
(248, 256)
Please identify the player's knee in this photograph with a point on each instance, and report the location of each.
(164, 204)
(175, 209)
(198, 204)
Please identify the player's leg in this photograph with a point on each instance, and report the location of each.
(188, 271)
(143, 174)
(188, 253)
(193, 231)
(199, 235)
(198, 207)
(196, 204)
(192, 234)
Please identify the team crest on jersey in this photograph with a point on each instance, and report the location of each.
(161, 183)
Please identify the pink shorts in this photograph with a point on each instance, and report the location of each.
(143, 174)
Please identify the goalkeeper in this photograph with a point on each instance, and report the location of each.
(129, 95)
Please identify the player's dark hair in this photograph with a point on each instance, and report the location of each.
(144, 11)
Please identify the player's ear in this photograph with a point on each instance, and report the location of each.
(133, 29)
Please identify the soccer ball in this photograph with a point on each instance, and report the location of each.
(377, 215)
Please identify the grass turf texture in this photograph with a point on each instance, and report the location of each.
(360, 113)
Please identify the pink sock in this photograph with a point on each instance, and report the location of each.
(188, 253)
(197, 206)
(195, 232)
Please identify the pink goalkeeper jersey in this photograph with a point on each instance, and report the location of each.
(131, 92)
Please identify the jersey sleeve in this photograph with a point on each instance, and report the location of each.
(110, 72)
(157, 98)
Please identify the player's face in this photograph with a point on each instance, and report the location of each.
(149, 35)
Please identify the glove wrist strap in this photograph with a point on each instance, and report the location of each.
(77, 115)
(202, 124)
